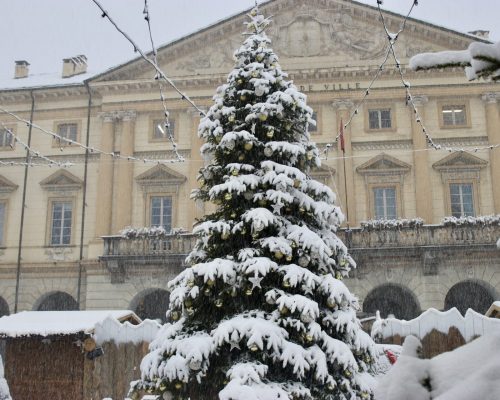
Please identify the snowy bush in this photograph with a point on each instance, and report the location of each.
(484, 220)
(390, 224)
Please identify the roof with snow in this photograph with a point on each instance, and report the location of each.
(188, 49)
(47, 323)
(494, 310)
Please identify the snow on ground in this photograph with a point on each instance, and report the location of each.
(468, 372)
(472, 325)
(4, 389)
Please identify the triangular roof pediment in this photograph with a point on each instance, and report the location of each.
(160, 175)
(7, 186)
(332, 32)
(460, 160)
(62, 180)
(382, 164)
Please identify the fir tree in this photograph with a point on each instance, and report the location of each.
(262, 312)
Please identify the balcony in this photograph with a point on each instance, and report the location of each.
(122, 256)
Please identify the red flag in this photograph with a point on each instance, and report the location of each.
(341, 137)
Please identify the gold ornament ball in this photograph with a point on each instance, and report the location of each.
(254, 347)
(241, 157)
(339, 276)
(260, 57)
(367, 359)
(178, 385)
(224, 236)
(190, 282)
(309, 155)
(218, 303)
(243, 231)
(330, 387)
(188, 302)
(278, 255)
(347, 373)
(289, 258)
(262, 202)
(255, 74)
(288, 126)
(228, 196)
(248, 292)
(202, 181)
(270, 133)
(248, 146)
(286, 283)
(293, 244)
(296, 183)
(240, 81)
(263, 117)
(331, 303)
(231, 118)
(210, 282)
(243, 97)
(175, 315)
(235, 172)
(284, 311)
(365, 395)
(309, 338)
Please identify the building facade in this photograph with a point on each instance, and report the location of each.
(59, 225)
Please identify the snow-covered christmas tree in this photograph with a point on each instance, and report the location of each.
(262, 312)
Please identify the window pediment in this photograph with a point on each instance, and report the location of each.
(160, 176)
(460, 161)
(62, 180)
(6, 186)
(384, 164)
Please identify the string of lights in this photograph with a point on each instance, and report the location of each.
(409, 97)
(372, 82)
(15, 139)
(166, 124)
(68, 141)
(159, 73)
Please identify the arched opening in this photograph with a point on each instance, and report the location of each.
(151, 304)
(473, 294)
(4, 307)
(392, 299)
(57, 301)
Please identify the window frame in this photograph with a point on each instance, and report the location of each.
(380, 107)
(374, 188)
(56, 142)
(153, 119)
(50, 216)
(466, 180)
(461, 196)
(3, 229)
(451, 103)
(392, 184)
(8, 147)
(148, 208)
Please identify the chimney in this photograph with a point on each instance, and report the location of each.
(22, 69)
(74, 66)
(480, 34)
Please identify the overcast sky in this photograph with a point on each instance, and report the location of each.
(43, 32)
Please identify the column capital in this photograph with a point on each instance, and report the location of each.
(129, 115)
(107, 116)
(490, 97)
(111, 116)
(420, 100)
(342, 104)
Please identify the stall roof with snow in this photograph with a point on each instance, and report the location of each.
(47, 323)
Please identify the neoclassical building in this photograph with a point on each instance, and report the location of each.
(60, 246)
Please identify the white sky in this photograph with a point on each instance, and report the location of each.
(43, 32)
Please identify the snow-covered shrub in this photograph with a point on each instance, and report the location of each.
(390, 224)
(484, 220)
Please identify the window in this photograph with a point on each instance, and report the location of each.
(314, 128)
(380, 119)
(462, 199)
(159, 130)
(62, 217)
(67, 131)
(454, 115)
(6, 138)
(385, 202)
(2, 223)
(161, 212)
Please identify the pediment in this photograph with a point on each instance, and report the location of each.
(160, 175)
(331, 33)
(460, 161)
(6, 186)
(61, 180)
(383, 164)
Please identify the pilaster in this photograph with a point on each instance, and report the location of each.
(493, 131)
(423, 185)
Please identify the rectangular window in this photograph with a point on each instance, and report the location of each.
(314, 128)
(6, 138)
(462, 200)
(62, 217)
(454, 115)
(385, 203)
(159, 130)
(161, 212)
(67, 131)
(380, 119)
(2, 223)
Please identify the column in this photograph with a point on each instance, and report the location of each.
(423, 184)
(493, 130)
(197, 208)
(125, 174)
(104, 198)
(345, 182)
